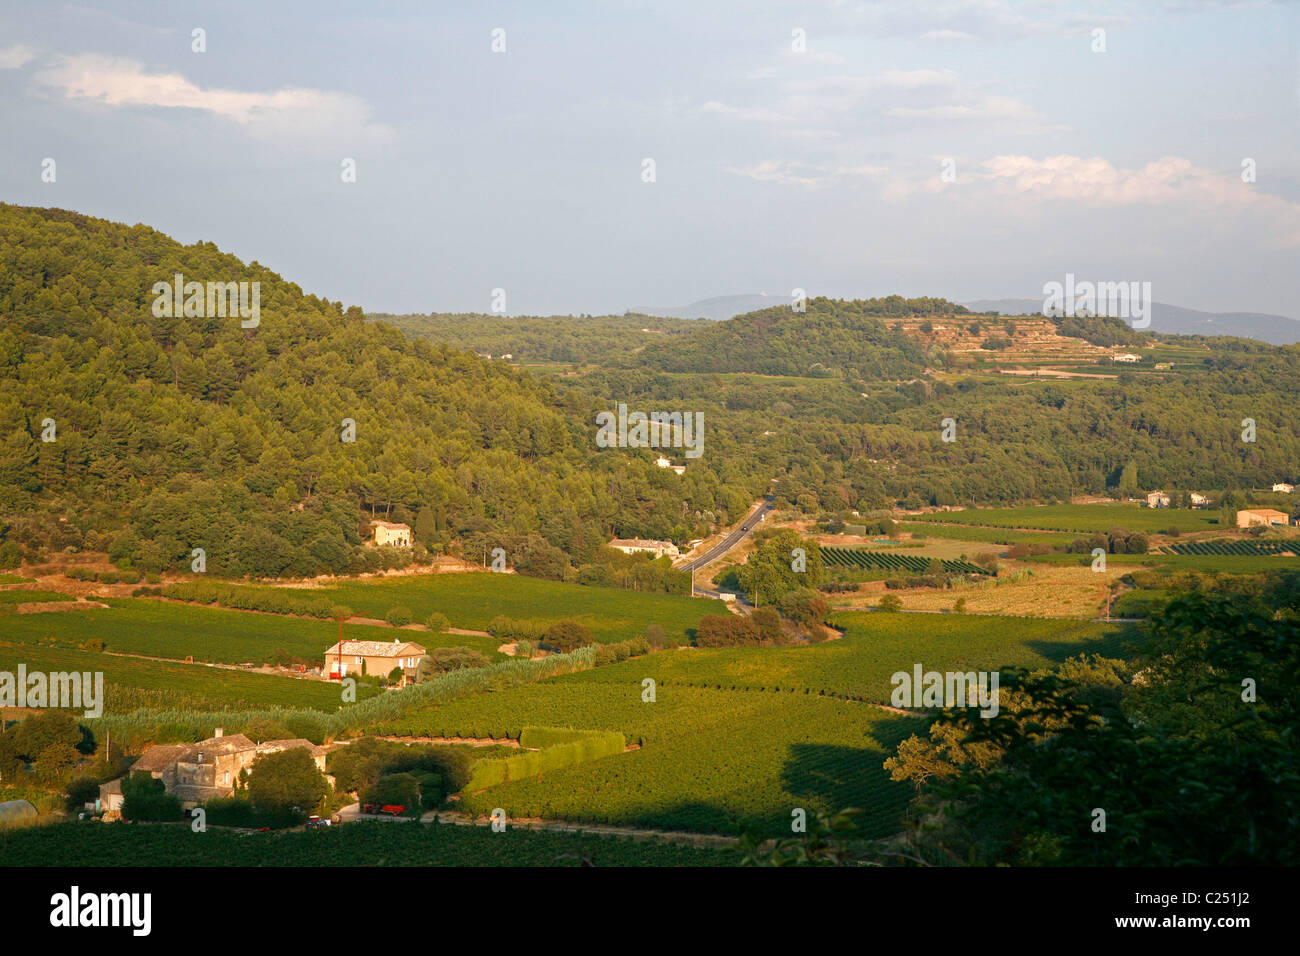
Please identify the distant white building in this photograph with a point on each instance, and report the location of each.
(663, 462)
(1157, 499)
(1283, 487)
(1128, 357)
(1199, 500)
(645, 546)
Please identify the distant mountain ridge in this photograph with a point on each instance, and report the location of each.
(718, 307)
(1176, 320)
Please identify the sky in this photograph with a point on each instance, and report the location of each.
(966, 148)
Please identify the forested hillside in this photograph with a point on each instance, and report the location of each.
(529, 339)
(175, 433)
(830, 334)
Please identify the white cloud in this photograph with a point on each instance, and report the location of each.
(991, 107)
(947, 35)
(777, 171)
(16, 57)
(291, 112)
(1169, 181)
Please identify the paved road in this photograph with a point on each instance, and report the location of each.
(733, 538)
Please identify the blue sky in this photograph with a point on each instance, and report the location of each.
(775, 168)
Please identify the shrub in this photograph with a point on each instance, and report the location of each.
(566, 635)
(726, 630)
(11, 555)
(81, 791)
(655, 636)
(437, 621)
(440, 660)
(234, 811)
(144, 798)
(890, 602)
(278, 782)
(398, 615)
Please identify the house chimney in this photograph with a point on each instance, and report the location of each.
(220, 731)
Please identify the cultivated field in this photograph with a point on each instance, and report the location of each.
(1080, 518)
(173, 630)
(472, 600)
(131, 683)
(369, 843)
(742, 735)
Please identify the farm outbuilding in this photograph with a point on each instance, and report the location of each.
(16, 813)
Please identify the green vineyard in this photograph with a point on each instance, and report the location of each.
(1247, 549)
(890, 561)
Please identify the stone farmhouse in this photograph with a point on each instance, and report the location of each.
(1283, 487)
(196, 773)
(388, 532)
(375, 658)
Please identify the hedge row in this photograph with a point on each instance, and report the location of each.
(582, 747)
(244, 598)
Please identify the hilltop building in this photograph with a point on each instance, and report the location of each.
(1283, 487)
(388, 532)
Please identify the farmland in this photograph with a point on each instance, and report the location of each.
(746, 734)
(131, 683)
(1080, 518)
(1248, 549)
(173, 630)
(472, 600)
(368, 843)
(956, 532)
(20, 596)
(1231, 563)
(889, 561)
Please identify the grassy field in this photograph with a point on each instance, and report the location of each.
(167, 629)
(1056, 590)
(472, 600)
(20, 596)
(368, 843)
(1080, 518)
(131, 683)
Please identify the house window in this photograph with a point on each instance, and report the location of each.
(225, 779)
(358, 661)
